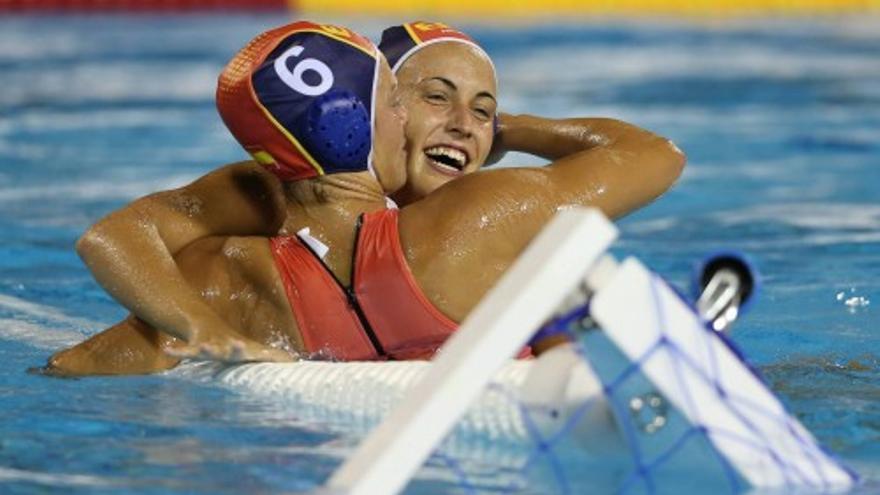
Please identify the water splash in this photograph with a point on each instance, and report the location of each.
(852, 301)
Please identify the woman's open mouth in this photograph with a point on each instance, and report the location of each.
(448, 160)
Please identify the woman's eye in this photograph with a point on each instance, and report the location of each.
(482, 113)
(436, 97)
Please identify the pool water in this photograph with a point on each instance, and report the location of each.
(780, 120)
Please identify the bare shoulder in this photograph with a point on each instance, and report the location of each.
(237, 199)
(462, 237)
(459, 239)
(234, 184)
(487, 206)
(248, 176)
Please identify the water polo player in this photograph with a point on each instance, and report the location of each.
(597, 169)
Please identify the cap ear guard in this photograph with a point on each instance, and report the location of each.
(338, 130)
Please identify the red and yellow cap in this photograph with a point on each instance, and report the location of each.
(401, 42)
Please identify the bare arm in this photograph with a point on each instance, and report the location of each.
(555, 139)
(131, 251)
(461, 238)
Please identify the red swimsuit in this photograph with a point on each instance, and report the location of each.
(384, 315)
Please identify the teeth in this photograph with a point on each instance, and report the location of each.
(451, 153)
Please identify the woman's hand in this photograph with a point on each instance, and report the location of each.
(228, 347)
(499, 147)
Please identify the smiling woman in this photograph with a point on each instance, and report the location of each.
(792, 164)
(316, 261)
(449, 91)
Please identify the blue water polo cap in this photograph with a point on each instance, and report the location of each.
(299, 98)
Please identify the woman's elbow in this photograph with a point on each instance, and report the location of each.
(92, 244)
(111, 235)
(676, 158)
(669, 161)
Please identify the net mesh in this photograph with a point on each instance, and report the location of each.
(628, 437)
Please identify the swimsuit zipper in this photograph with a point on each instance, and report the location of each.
(349, 291)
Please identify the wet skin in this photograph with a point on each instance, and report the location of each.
(240, 199)
(237, 277)
(244, 199)
(457, 241)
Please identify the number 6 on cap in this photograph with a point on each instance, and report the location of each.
(294, 79)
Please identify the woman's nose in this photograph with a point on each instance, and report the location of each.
(460, 121)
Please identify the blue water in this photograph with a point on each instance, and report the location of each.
(780, 120)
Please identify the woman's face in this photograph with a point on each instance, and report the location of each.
(388, 145)
(449, 92)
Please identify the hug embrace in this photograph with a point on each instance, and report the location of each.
(366, 226)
